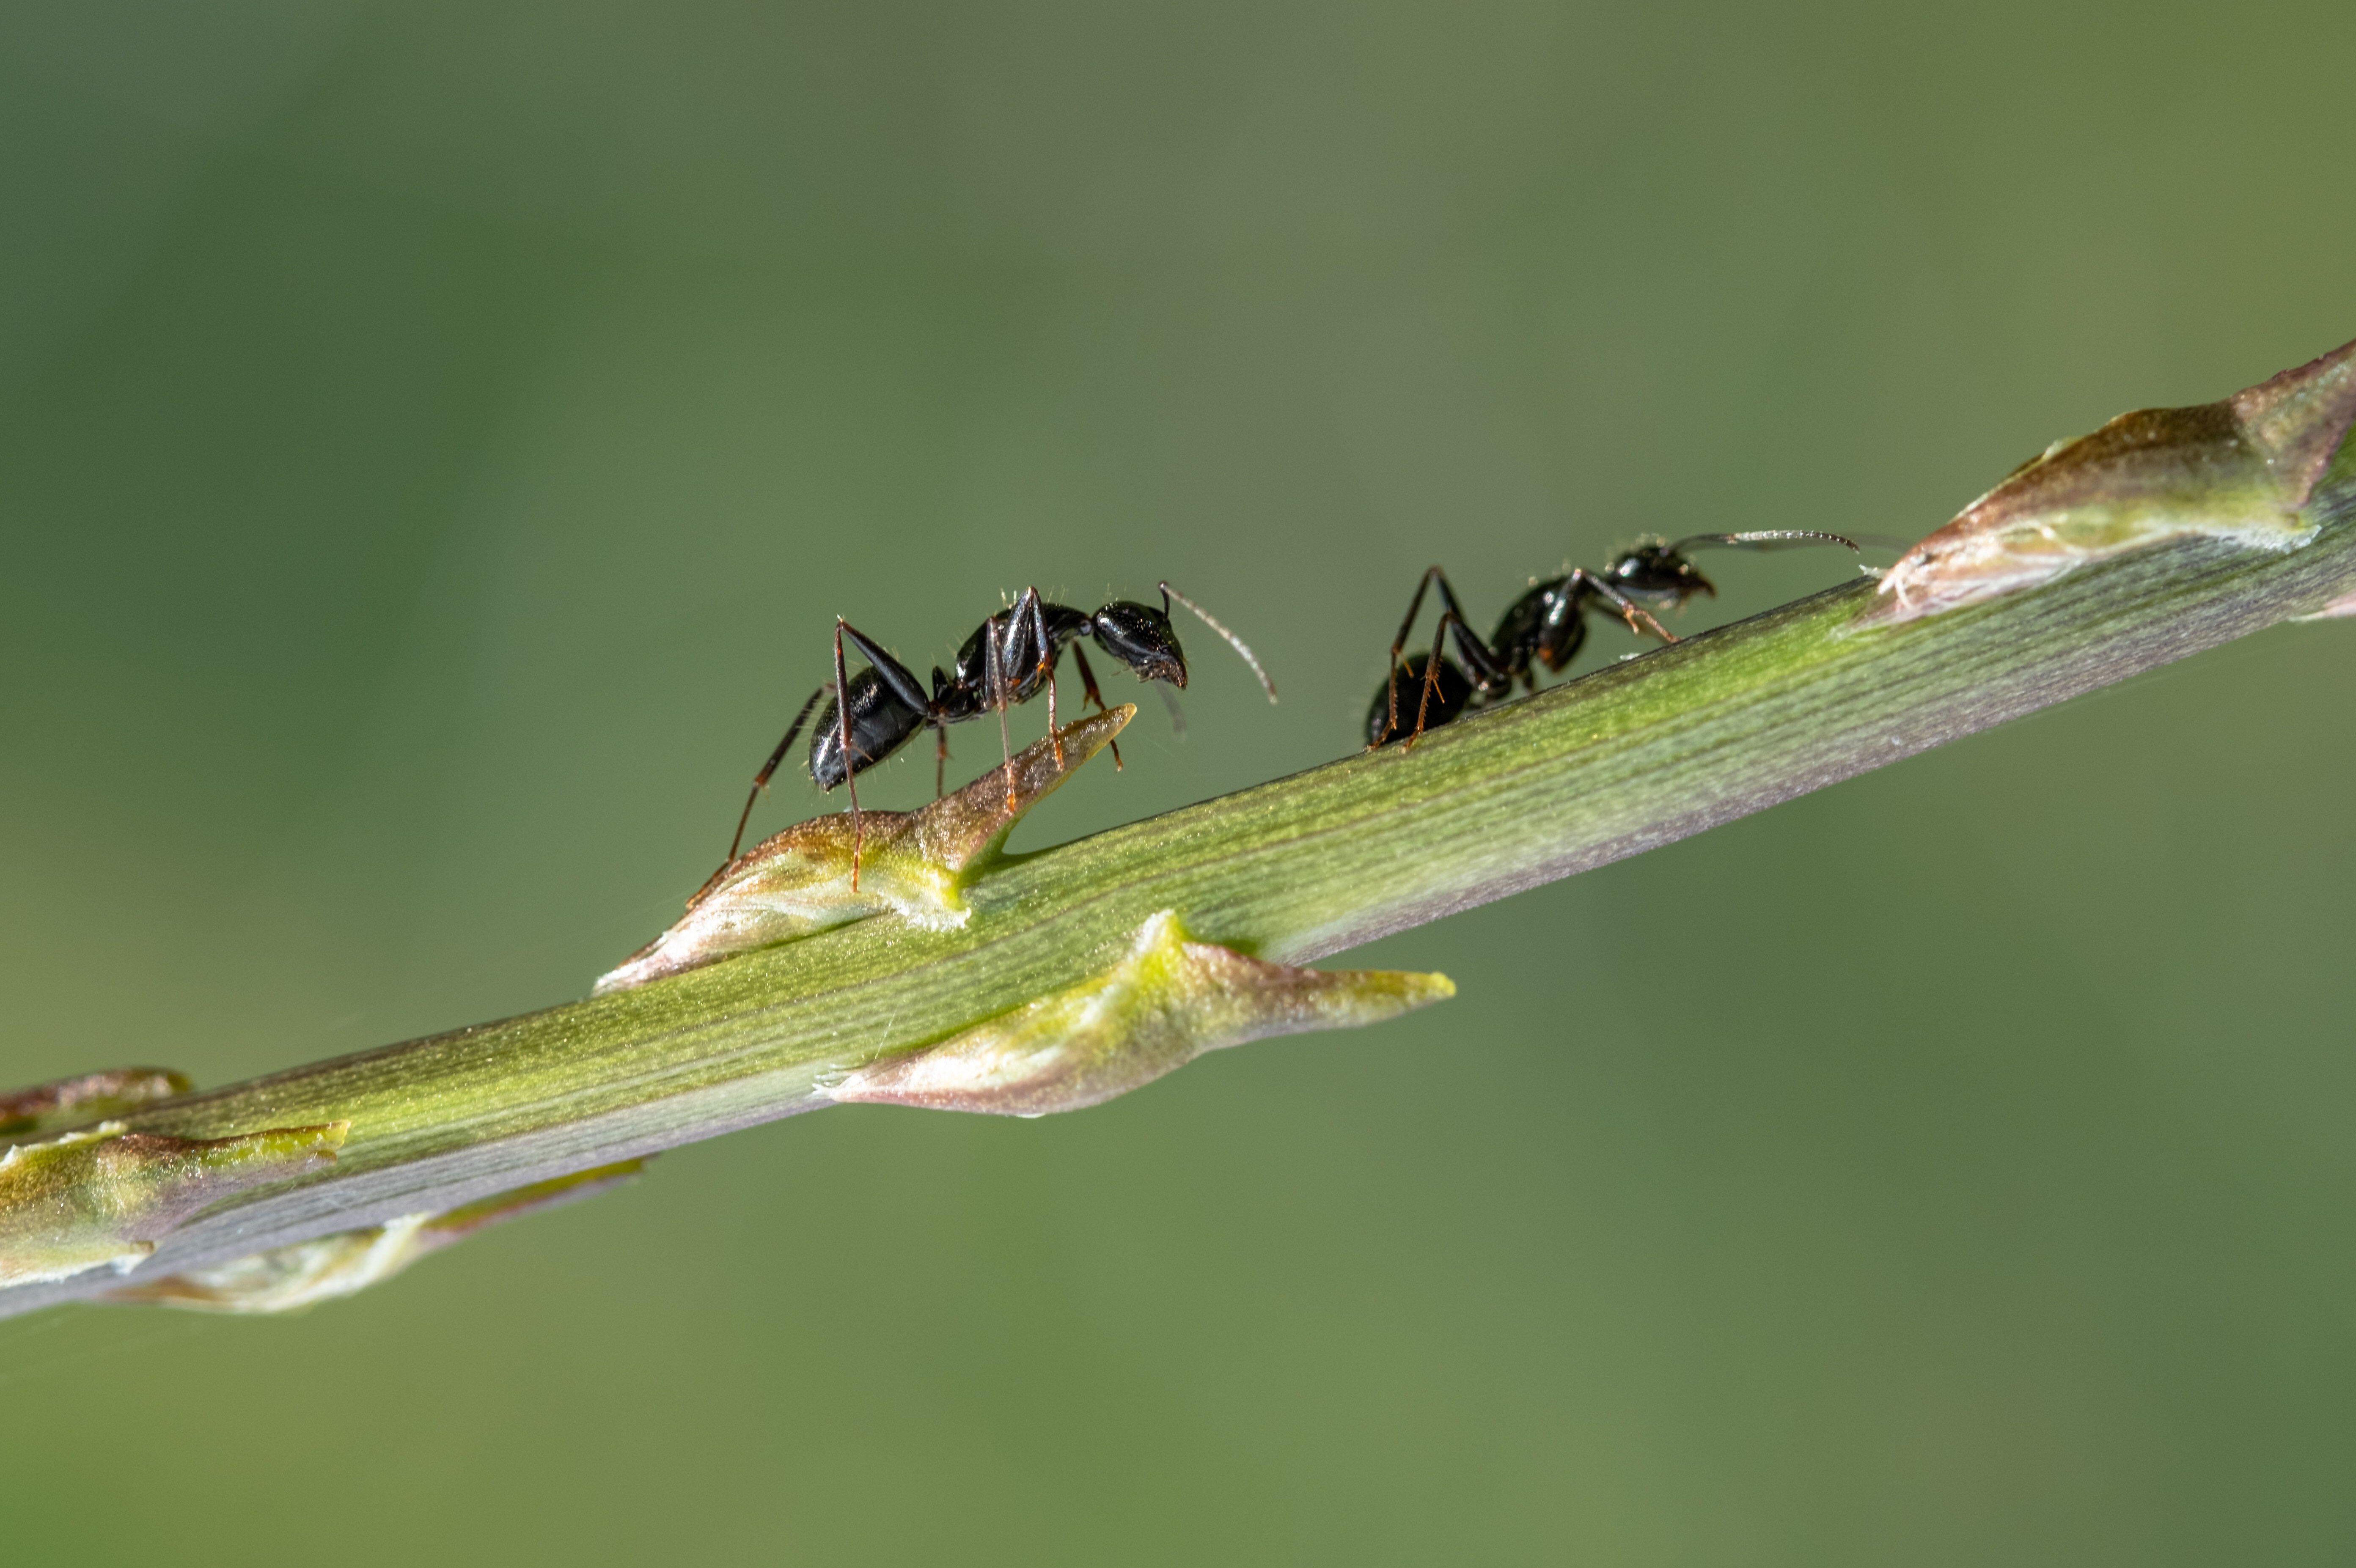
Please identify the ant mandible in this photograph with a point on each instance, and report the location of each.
(1009, 660)
(1546, 626)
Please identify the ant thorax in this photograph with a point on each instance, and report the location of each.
(1546, 624)
(1023, 663)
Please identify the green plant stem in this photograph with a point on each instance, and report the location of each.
(1633, 756)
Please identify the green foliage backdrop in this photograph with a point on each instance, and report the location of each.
(432, 440)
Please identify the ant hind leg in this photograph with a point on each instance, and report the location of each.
(849, 760)
(1399, 643)
(1432, 675)
(768, 769)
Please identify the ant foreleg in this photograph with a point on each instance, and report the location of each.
(1089, 693)
(941, 761)
(1640, 620)
(768, 769)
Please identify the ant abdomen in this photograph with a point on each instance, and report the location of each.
(880, 724)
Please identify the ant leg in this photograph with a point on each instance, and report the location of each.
(897, 679)
(850, 762)
(1431, 673)
(1639, 620)
(1449, 607)
(1399, 643)
(761, 779)
(998, 700)
(890, 671)
(1089, 693)
(1030, 597)
(1481, 661)
(941, 761)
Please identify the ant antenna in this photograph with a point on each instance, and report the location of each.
(1177, 714)
(1884, 541)
(1168, 594)
(1764, 538)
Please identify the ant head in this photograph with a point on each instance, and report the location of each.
(1142, 637)
(1658, 570)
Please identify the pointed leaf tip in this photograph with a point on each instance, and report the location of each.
(2240, 471)
(913, 864)
(104, 1195)
(92, 1097)
(1166, 1002)
(303, 1275)
(2301, 419)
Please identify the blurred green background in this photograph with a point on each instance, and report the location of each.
(433, 439)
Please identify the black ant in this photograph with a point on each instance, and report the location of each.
(1010, 658)
(1546, 626)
